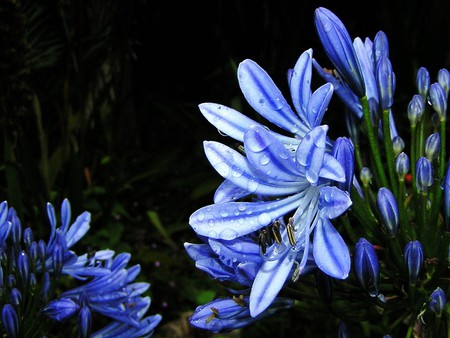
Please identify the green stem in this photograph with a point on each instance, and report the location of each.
(413, 155)
(373, 143)
(390, 159)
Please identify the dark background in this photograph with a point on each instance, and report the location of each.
(99, 105)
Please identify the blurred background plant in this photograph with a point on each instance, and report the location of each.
(99, 103)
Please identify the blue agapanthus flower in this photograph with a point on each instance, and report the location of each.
(280, 190)
(35, 274)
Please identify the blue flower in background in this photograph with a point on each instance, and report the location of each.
(106, 286)
(278, 185)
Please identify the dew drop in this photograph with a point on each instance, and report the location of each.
(223, 213)
(228, 234)
(211, 223)
(241, 207)
(201, 216)
(264, 218)
(264, 159)
(212, 234)
(223, 169)
(237, 171)
(252, 185)
(234, 259)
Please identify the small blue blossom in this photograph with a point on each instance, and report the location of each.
(437, 302)
(414, 260)
(366, 265)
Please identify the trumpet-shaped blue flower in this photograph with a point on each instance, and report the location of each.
(438, 100)
(285, 175)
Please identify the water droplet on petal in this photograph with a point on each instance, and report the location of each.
(211, 223)
(241, 207)
(223, 169)
(201, 216)
(264, 159)
(223, 213)
(264, 218)
(228, 234)
(252, 185)
(212, 234)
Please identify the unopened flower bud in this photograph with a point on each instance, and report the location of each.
(342, 330)
(443, 78)
(413, 260)
(423, 81)
(380, 46)
(10, 321)
(424, 174)
(28, 236)
(386, 82)
(447, 199)
(84, 322)
(366, 176)
(438, 100)
(343, 151)
(432, 146)
(61, 309)
(437, 302)
(388, 208)
(15, 297)
(398, 145)
(416, 108)
(23, 265)
(339, 47)
(366, 266)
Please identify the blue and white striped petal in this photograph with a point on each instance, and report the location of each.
(333, 202)
(230, 220)
(330, 251)
(233, 166)
(265, 97)
(300, 84)
(318, 104)
(270, 279)
(227, 191)
(310, 152)
(269, 156)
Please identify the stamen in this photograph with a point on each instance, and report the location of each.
(214, 314)
(239, 300)
(290, 231)
(276, 231)
(262, 241)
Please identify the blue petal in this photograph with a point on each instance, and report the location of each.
(230, 220)
(269, 281)
(367, 69)
(264, 96)
(332, 169)
(318, 104)
(310, 152)
(330, 251)
(233, 166)
(269, 156)
(227, 191)
(333, 202)
(78, 229)
(227, 120)
(240, 250)
(300, 84)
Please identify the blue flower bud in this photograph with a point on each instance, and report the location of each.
(28, 236)
(339, 47)
(438, 100)
(23, 265)
(45, 288)
(366, 266)
(1, 277)
(388, 208)
(437, 301)
(57, 259)
(15, 297)
(386, 82)
(42, 250)
(343, 151)
(432, 146)
(423, 81)
(11, 281)
(444, 79)
(416, 107)
(32, 281)
(380, 46)
(16, 229)
(366, 176)
(424, 174)
(61, 309)
(402, 165)
(84, 322)
(33, 253)
(10, 321)
(413, 255)
(398, 145)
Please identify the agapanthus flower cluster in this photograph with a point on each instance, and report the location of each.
(46, 286)
(370, 222)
